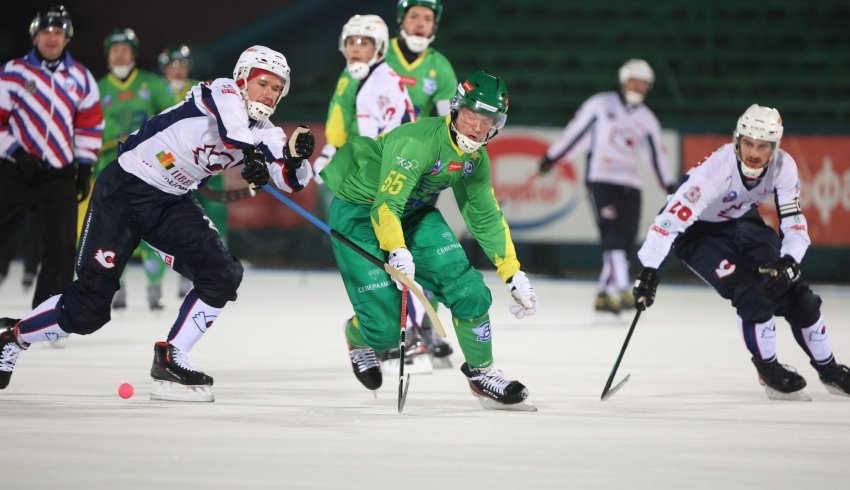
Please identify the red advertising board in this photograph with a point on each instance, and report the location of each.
(824, 166)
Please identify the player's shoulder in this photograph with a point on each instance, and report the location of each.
(224, 85)
(785, 163)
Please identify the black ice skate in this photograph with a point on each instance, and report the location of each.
(366, 367)
(9, 350)
(605, 303)
(836, 377)
(176, 379)
(780, 382)
(495, 392)
(441, 353)
(416, 359)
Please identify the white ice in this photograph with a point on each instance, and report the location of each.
(290, 414)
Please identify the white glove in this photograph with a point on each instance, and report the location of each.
(327, 153)
(401, 259)
(524, 298)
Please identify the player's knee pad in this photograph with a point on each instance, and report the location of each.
(800, 306)
(216, 286)
(465, 293)
(87, 303)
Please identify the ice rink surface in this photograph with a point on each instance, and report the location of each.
(290, 414)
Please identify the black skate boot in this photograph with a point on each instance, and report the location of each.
(9, 350)
(366, 367)
(176, 379)
(605, 303)
(836, 377)
(495, 392)
(780, 382)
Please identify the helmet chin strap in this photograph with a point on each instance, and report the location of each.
(633, 98)
(122, 71)
(752, 173)
(466, 144)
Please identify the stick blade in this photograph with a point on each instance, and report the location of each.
(609, 393)
(402, 392)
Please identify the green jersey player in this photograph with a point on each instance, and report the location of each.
(429, 76)
(129, 97)
(384, 195)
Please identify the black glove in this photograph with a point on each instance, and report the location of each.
(545, 165)
(781, 275)
(672, 188)
(645, 286)
(300, 146)
(255, 171)
(26, 160)
(83, 181)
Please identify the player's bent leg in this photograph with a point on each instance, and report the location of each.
(10, 348)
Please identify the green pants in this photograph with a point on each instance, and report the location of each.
(441, 267)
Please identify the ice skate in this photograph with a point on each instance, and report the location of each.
(606, 303)
(495, 392)
(416, 360)
(780, 382)
(9, 350)
(119, 301)
(441, 353)
(836, 377)
(155, 297)
(366, 367)
(176, 379)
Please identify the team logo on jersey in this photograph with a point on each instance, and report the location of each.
(438, 165)
(725, 268)
(406, 164)
(106, 100)
(624, 140)
(429, 85)
(374, 274)
(447, 235)
(30, 86)
(144, 93)
(731, 196)
(212, 161)
(70, 84)
(105, 258)
(482, 332)
(693, 194)
(666, 224)
(468, 168)
(455, 166)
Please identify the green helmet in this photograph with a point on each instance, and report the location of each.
(484, 94)
(177, 52)
(434, 5)
(119, 36)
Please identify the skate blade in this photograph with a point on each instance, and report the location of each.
(421, 365)
(175, 392)
(491, 404)
(795, 396)
(835, 390)
(441, 362)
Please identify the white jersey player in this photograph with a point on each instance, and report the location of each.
(144, 195)
(617, 132)
(711, 223)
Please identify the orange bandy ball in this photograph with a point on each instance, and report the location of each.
(125, 390)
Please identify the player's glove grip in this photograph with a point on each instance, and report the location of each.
(255, 171)
(300, 146)
(524, 298)
(402, 260)
(780, 276)
(645, 287)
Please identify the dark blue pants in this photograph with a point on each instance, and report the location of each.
(727, 256)
(124, 210)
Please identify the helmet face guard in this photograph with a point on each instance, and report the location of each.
(635, 69)
(179, 52)
(485, 94)
(263, 58)
(54, 17)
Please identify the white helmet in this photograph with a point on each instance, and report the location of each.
(370, 26)
(637, 69)
(759, 123)
(266, 59)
